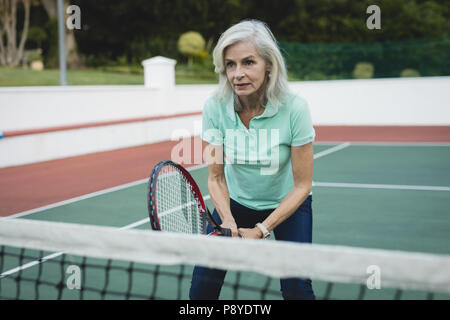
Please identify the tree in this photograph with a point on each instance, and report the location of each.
(192, 45)
(73, 58)
(10, 53)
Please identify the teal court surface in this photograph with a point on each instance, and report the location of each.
(368, 195)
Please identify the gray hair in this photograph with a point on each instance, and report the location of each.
(265, 43)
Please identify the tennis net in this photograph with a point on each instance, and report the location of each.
(51, 260)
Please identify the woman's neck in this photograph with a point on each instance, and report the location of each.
(250, 103)
(253, 103)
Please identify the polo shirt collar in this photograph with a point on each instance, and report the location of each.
(230, 108)
(269, 111)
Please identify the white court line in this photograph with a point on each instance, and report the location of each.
(30, 264)
(145, 220)
(72, 200)
(389, 144)
(332, 150)
(380, 186)
(57, 254)
(87, 196)
(129, 226)
(132, 184)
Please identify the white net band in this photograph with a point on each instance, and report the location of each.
(403, 270)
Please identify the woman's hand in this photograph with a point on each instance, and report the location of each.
(253, 233)
(231, 224)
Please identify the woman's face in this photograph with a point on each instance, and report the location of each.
(245, 68)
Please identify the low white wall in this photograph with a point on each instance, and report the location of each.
(61, 144)
(24, 108)
(398, 101)
(415, 101)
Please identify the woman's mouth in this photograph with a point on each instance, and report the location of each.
(241, 85)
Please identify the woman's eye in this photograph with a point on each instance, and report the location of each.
(231, 64)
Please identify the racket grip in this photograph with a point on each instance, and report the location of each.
(226, 232)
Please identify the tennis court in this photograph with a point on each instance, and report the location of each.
(392, 196)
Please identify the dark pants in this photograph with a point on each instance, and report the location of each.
(207, 283)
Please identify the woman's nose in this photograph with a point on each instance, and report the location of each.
(239, 73)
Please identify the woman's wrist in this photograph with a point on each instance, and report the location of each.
(228, 219)
(265, 233)
(259, 232)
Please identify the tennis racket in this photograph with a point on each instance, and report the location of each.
(175, 203)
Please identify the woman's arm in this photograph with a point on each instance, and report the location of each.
(302, 169)
(218, 189)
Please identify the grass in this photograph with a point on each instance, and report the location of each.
(100, 76)
(26, 77)
(117, 75)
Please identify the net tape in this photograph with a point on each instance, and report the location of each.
(403, 270)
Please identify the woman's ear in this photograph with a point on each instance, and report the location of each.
(268, 69)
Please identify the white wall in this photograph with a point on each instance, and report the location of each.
(24, 108)
(416, 101)
(413, 101)
(61, 144)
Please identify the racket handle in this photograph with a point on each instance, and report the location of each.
(226, 232)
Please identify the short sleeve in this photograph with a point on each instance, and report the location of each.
(302, 129)
(210, 123)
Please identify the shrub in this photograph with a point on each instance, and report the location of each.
(192, 44)
(363, 70)
(409, 73)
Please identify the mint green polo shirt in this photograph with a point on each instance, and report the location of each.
(257, 164)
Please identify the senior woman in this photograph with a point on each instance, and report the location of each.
(260, 136)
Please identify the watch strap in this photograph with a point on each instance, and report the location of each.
(265, 232)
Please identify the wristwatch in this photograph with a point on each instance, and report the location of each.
(265, 232)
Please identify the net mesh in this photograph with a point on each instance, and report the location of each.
(178, 209)
(48, 260)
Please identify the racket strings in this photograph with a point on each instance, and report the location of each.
(178, 208)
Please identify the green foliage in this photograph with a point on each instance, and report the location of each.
(196, 71)
(315, 75)
(191, 44)
(363, 70)
(34, 55)
(409, 73)
(322, 39)
(99, 60)
(50, 47)
(430, 57)
(36, 36)
(111, 76)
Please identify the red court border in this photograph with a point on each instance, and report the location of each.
(34, 185)
(15, 133)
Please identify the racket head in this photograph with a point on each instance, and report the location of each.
(175, 202)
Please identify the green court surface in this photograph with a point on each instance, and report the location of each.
(387, 196)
